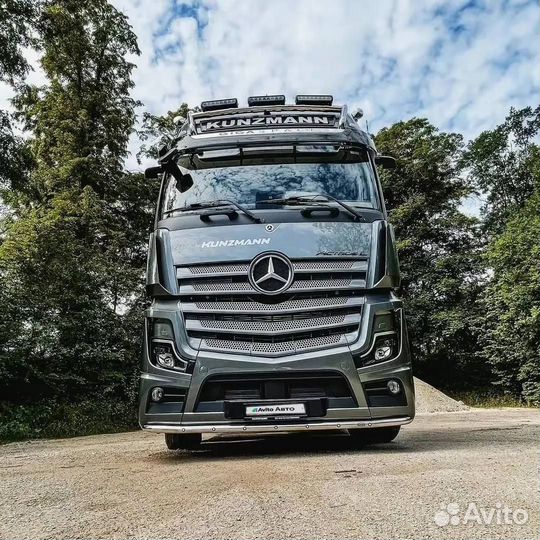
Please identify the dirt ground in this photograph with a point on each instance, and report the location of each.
(130, 486)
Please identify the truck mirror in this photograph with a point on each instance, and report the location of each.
(386, 162)
(184, 182)
(153, 172)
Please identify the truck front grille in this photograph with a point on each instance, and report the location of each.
(321, 309)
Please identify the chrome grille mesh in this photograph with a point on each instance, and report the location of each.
(297, 265)
(259, 306)
(273, 326)
(221, 287)
(321, 309)
(323, 265)
(242, 287)
(321, 284)
(219, 268)
(276, 347)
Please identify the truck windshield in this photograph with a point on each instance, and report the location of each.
(248, 184)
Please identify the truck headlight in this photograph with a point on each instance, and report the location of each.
(385, 344)
(164, 355)
(385, 348)
(384, 352)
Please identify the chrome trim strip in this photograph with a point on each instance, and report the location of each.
(272, 328)
(273, 428)
(253, 307)
(185, 272)
(262, 131)
(343, 117)
(225, 288)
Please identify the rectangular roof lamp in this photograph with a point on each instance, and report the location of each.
(266, 100)
(217, 104)
(303, 99)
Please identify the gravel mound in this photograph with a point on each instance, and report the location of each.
(431, 400)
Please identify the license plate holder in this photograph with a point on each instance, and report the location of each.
(275, 409)
(313, 407)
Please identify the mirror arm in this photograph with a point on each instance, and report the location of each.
(172, 168)
(167, 164)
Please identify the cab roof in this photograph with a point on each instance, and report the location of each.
(268, 125)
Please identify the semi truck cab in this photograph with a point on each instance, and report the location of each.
(273, 277)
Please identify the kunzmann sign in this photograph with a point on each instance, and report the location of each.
(266, 121)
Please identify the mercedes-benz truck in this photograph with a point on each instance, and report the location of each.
(273, 278)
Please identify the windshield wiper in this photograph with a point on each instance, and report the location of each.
(302, 199)
(216, 204)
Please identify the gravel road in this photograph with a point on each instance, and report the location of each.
(130, 486)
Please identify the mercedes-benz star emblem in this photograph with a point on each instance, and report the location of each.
(271, 273)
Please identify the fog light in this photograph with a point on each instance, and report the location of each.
(157, 394)
(382, 353)
(393, 387)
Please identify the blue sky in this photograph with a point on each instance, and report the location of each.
(461, 63)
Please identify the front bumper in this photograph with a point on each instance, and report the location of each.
(277, 428)
(194, 414)
(192, 418)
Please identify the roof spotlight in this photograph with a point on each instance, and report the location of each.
(303, 99)
(266, 100)
(217, 104)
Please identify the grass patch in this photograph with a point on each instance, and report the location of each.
(53, 419)
(489, 399)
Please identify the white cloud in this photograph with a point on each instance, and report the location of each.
(460, 63)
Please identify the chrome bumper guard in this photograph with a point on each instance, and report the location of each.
(273, 428)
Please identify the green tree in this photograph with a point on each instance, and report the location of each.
(504, 164)
(438, 249)
(512, 304)
(156, 130)
(16, 20)
(72, 260)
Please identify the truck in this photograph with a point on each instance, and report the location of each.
(274, 279)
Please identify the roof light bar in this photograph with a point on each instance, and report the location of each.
(314, 100)
(217, 104)
(266, 100)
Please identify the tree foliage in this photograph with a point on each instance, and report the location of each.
(73, 255)
(438, 248)
(505, 164)
(157, 130)
(16, 22)
(512, 304)
(16, 18)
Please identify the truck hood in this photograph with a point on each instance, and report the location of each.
(296, 240)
